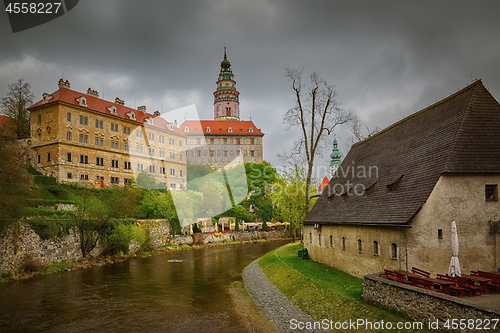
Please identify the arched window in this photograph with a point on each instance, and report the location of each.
(319, 239)
(331, 241)
(207, 129)
(394, 251)
(360, 246)
(375, 248)
(343, 243)
(230, 130)
(186, 129)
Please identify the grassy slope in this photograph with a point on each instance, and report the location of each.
(322, 291)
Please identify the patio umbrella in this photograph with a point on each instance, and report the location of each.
(454, 269)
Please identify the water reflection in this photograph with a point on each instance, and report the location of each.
(143, 295)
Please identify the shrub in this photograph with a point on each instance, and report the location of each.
(32, 265)
(265, 227)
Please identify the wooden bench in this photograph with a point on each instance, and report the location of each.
(423, 283)
(493, 284)
(462, 283)
(396, 276)
(420, 272)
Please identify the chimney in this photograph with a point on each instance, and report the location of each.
(142, 108)
(157, 113)
(93, 93)
(119, 101)
(63, 84)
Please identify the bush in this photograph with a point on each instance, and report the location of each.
(44, 180)
(32, 265)
(265, 227)
(118, 234)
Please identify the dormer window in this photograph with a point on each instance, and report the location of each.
(112, 110)
(230, 129)
(186, 129)
(391, 187)
(250, 130)
(131, 115)
(207, 129)
(149, 120)
(82, 101)
(46, 97)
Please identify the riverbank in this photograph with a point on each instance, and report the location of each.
(32, 269)
(316, 289)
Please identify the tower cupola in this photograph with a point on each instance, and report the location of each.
(226, 97)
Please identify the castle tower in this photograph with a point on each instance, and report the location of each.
(335, 158)
(226, 97)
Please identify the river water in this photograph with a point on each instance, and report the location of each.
(141, 295)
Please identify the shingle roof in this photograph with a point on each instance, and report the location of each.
(217, 127)
(459, 134)
(100, 105)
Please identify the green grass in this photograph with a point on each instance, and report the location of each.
(57, 267)
(322, 291)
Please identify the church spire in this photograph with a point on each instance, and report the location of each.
(335, 158)
(226, 97)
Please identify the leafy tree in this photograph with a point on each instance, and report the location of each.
(15, 106)
(15, 190)
(316, 111)
(289, 198)
(146, 180)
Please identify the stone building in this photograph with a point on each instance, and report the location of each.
(395, 194)
(78, 137)
(218, 142)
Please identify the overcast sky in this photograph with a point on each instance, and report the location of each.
(387, 59)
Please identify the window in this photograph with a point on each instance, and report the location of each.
(84, 120)
(252, 153)
(126, 181)
(331, 241)
(138, 133)
(161, 138)
(115, 180)
(138, 149)
(140, 166)
(319, 239)
(224, 153)
(114, 127)
(394, 251)
(152, 168)
(126, 130)
(180, 143)
(69, 157)
(180, 173)
(343, 243)
(198, 141)
(39, 157)
(180, 157)
(126, 146)
(48, 157)
(114, 144)
(84, 138)
(310, 238)
(224, 140)
(39, 119)
(230, 129)
(375, 248)
(151, 152)
(252, 141)
(84, 177)
(440, 233)
(69, 135)
(114, 163)
(172, 141)
(70, 175)
(162, 170)
(360, 246)
(173, 185)
(99, 161)
(172, 172)
(172, 155)
(99, 123)
(99, 141)
(238, 141)
(84, 159)
(162, 153)
(126, 165)
(68, 116)
(491, 192)
(151, 136)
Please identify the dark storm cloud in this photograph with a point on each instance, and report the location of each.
(386, 58)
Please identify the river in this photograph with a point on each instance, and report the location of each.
(141, 295)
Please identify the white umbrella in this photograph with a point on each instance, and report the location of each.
(454, 269)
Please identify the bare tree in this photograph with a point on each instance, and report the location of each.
(360, 131)
(15, 106)
(316, 111)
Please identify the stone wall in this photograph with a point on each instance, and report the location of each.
(20, 245)
(422, 304)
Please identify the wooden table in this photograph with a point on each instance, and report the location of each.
(444, 285)
(483, 282)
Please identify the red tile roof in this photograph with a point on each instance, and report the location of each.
(96, 104)
(324, 183)
(215, 127)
